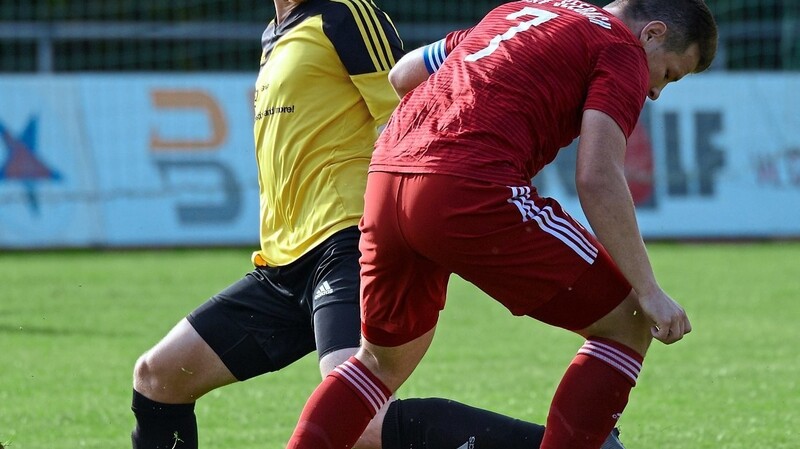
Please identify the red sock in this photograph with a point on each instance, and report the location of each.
(340, 408)
(592, 395)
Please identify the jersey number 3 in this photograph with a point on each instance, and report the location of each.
(540, 16)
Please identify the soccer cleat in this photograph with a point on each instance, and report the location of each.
(613, 442)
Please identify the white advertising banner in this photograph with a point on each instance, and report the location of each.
(167, 160)
(717, 156)
(127, 160)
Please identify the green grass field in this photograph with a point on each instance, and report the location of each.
(73, 323)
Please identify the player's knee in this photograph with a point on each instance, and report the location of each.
(642, 336)
(144, 377)
(638, 323)
(636, 333)
(626, 324)
(153, 381)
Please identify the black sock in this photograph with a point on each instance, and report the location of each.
(163, 426)
(435, 423)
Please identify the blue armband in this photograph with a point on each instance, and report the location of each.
(433, 55)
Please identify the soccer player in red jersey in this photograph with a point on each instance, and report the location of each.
(321, 94)
(449, 192)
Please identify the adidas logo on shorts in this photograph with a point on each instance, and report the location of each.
(469, 444)
(322, 290)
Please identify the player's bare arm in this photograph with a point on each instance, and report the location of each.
(608, 205)
(409, 72)
(416, 66)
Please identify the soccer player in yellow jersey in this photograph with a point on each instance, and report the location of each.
(321, 95)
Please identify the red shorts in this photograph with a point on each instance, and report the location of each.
(522, 250)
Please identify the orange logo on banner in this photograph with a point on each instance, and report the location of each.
(195, 100)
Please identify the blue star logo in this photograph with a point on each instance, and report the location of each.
(22, 163)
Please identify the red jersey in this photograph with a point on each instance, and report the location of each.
(512, 92)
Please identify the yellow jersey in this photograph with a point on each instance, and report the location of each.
(321, 93)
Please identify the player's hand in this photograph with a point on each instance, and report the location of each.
(670, 322)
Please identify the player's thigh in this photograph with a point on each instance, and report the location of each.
(519, 248)
(337, 329)
(598, 291)
(402, 291)
(254, 326)
(333, 292)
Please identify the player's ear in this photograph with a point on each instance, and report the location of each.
(653, 30)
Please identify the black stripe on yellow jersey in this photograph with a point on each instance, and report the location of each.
(364, 36)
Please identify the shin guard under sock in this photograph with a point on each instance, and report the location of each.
(592, 395)
(163, 426)
(340, 408)
(442, 423)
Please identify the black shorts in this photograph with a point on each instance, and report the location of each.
(276, 315)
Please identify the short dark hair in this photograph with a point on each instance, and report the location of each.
(688, 22)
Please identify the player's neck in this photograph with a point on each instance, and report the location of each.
(617, 10)
(283, 8)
